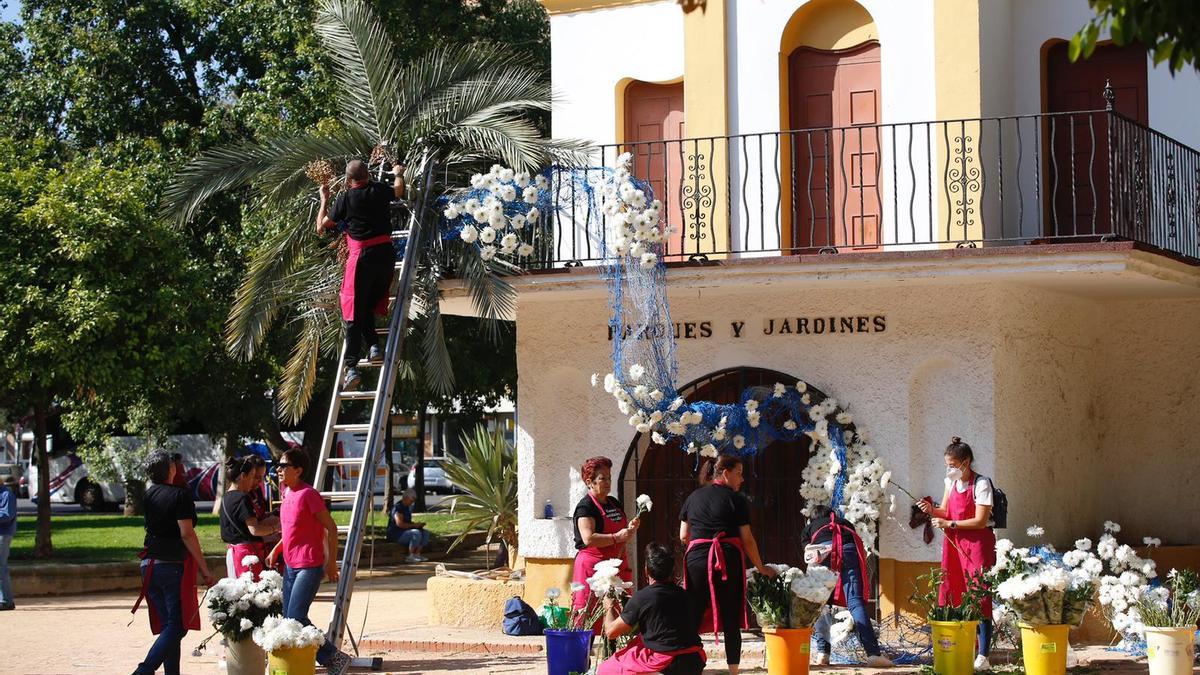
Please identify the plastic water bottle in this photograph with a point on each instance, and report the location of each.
(548, 511)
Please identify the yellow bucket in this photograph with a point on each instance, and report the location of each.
(787, 650)
(1044, 649)
(1170, 651)
(301, 661)
(953, 647)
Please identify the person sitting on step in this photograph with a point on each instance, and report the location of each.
(402, 530)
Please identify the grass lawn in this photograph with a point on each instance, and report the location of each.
(82, 538)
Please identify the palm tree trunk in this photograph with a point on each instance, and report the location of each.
(42, 547)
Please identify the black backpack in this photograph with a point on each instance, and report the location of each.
(999, 507)
(520, 619)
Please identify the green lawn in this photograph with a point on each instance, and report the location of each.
(80, 538)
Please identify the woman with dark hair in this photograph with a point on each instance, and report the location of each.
(667, 641)
(308, 532)
(170, 560)
(715, 527)
(601, 530)
(969, 549)
(831, 540)
(242, 529)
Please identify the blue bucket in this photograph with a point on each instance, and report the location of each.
(567, 651)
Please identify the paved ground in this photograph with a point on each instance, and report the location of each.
(88, 634)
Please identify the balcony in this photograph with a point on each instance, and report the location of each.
(997, 181)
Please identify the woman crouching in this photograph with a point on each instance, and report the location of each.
(668, 639)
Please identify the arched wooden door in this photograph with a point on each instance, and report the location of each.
(668, 475)
(1076, 172)
(834, 110)
(654, 126)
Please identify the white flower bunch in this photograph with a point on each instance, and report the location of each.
(639, 230)
(1041, 587)
(606, 580)
(644, 504)
(278, 633)
(793, 599)
(498, 220)
(236, 605)
(1124, 580)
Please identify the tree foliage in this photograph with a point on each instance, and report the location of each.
(1170, 29)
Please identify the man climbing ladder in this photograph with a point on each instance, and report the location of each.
(365, 208)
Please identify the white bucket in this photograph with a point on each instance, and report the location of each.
(1170, 651)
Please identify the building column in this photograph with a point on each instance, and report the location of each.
(706, 111)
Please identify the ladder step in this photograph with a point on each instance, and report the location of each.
(346, 496)
(364, 363)
(343, 461)
(365, 395)
(324, 597)
(352, 428)
(397, 234)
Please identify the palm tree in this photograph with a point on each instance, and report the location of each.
(468, 105)
(488, 477)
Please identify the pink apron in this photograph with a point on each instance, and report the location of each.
(636, 658)
(835, 559)
(240, 551)
(586, 559)
(346, 296)
(189, 603)
(978, 549)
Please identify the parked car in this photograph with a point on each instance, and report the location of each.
(436, 481)
(13, 477)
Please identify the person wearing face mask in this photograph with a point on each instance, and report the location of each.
(964, 516)
(715, 527)
(601, 529)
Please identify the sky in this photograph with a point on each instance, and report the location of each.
(11, 9)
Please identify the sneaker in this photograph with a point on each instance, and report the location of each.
(420, 558)
(982, 663)
(6, 606)
(375, 353)
(352, 380)
(413, 559)
(338, 664)
(820, 659)
(879, 661)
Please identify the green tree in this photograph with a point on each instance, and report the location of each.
(1170, 29)
(468, 105)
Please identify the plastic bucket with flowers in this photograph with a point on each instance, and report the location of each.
(291, 644)
(236, 607)
(786, 607)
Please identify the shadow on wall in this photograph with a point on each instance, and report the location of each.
(938, 408)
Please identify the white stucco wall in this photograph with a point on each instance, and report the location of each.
(591, 52)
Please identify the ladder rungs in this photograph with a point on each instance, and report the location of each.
(339, 496)
(396, 234)
(352, 428)
(365, 395)
(324, 597)
(343, 461)
(367, 363)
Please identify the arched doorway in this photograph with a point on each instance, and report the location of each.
(668, 475)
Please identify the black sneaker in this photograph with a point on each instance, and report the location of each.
(339, 663)
(352, 380)
(375, 353)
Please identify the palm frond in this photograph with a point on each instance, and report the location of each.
(435, 356)
(488, 478)
(493, 298)
(364, 63)
(300, 374)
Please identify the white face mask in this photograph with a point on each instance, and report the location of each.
(954, 473)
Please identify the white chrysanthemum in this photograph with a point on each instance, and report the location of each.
(1152, 541)
(790, 425)
(1084, 544)
(451, 212)
(532, 215)
(644, 502)
(525, 250)
(708, 450)
(636, 371)
(844, 418)
(739, 441)
(517, 221)
(487, 235)
(1036, 531)
(509, 241)
(530, 195)
(1111, 527)
(648, 260)
(487, 252)
(509, 193)
(469, 234)
(541, 182)
(753, 417)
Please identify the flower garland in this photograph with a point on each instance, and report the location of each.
(843, 472)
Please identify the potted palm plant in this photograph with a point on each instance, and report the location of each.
(952, 626)
(1170, 613)
(487, 476)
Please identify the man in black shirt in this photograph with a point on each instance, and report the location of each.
(365, 210)
(668, 640)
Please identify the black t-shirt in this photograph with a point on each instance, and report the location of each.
(587, 509)
(824, 536)
(366, 210)
(715, 511)
(664, 617)
(165, 505)
(236, 509)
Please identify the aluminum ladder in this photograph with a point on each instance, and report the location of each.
(362, 497)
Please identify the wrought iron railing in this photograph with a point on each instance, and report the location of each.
(1027, 179)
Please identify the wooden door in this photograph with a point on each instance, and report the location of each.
(834, 106)
(1076, 174)
(654, 126)
(668, 475)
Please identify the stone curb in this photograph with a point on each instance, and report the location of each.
(441, 646)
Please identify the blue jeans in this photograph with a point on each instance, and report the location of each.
(413, 537)
(6, 593)
(299, 588)
(162, 592)
(852, 586)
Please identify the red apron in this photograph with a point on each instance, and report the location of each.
(346, 296)
(976, 550)
(835, 559)
(240, 551)
(716, 561)
(586, 559)
(189, 603)
(636, 658)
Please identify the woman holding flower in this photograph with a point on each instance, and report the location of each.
(601, 530)
(715, 527)
(667, 640)
(969, 548)
(241, 528)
